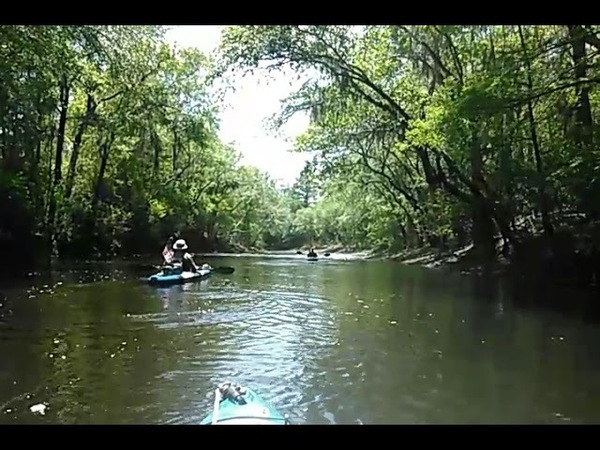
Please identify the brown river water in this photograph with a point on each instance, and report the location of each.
(332, 342)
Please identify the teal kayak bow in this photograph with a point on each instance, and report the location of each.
(237, 405)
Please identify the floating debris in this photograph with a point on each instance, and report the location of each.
(39, 408)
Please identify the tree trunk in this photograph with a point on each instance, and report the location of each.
(89, 112)
(583, 116)
(483, 223)
(60, 144)
(544, 200)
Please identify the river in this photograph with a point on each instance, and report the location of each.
(333, 342)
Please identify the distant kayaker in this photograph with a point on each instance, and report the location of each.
(311, 253)
(181, 256)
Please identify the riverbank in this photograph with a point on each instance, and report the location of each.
(425, 256)
(565, 259)
(534, 263)
(562, 260)
(462, 259)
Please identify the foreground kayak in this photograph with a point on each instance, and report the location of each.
(312, 258)
(181, 277)
(236, 405)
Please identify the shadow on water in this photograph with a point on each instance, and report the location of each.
(326, 343)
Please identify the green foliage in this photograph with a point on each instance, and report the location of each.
(434, 135)
(137, 156)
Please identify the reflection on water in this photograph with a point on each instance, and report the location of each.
(342, 342)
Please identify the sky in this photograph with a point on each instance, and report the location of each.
(248, 107)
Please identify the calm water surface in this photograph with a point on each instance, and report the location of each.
(333, 342)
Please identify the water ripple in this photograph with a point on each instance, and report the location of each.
(325, 343)
(266, 334)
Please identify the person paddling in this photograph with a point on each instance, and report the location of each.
(311, 253)
(181, 256)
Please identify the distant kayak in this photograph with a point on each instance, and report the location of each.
(312, 256)
(180, 277)
(237, 405)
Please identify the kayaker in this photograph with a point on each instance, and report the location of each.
(311, 253)
(181, 256)
(167, 252)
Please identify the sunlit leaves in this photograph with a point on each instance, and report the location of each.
(419, 112)
(141, 137)
(411, 127)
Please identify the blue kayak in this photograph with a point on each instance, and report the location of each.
(237, 405)
(175, 277)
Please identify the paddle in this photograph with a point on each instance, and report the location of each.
(220, 269)
(300, 252)
(223, 269)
